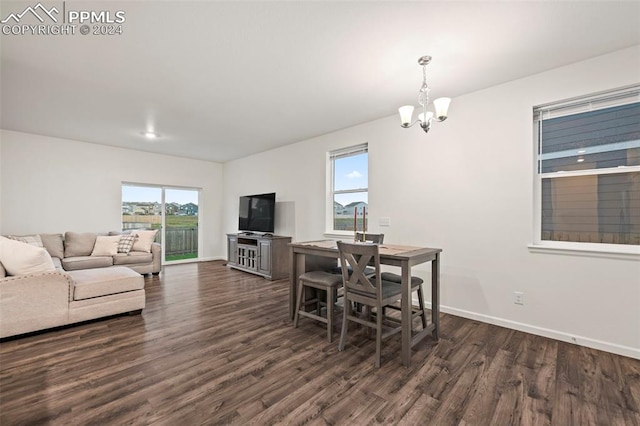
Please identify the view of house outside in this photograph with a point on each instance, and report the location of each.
(350, 217)
(142, 209)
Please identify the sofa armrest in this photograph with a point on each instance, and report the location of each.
(32, 302)
(156, 251)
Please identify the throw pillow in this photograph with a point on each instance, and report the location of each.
(34, 240)
(20, 258)
(106, 246)
(78, 244)
(144, 240)
(126, 243)
(54, 245)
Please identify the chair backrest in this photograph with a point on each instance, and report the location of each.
(370, 238)
(354, 258)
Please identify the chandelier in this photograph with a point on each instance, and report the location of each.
(425, 118)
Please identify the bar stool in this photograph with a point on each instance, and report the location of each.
(416, 285)
(318, 280)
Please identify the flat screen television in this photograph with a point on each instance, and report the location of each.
(257, 213)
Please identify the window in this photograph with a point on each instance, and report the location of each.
(588, 170)
(348, 199)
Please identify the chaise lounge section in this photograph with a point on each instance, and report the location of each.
(42, 300)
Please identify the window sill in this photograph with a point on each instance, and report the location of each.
(339, 235)
(610, 251)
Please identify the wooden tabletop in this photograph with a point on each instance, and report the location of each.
(388, 250)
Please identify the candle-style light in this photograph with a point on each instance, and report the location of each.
(364, 223)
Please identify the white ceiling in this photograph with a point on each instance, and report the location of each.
(222, 80)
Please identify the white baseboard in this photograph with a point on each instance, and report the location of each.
(544, 332)
(207, 259)
(204, 259)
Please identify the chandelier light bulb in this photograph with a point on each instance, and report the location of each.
(406, 114)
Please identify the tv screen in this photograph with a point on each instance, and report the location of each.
(257, 213)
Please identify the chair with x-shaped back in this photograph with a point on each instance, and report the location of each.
(371, 291)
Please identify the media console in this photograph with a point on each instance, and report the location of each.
(265, 255)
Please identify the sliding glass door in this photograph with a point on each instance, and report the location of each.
(172, 211)
(181, 224)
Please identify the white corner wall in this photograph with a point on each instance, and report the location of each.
(58, 185)
(467, 187)
(0, 183)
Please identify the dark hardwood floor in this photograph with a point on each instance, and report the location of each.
(215, 346)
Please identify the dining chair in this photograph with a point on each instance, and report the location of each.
(371, 291)
(363, 238)
(319, 281)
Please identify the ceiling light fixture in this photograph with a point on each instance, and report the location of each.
(150, 135)
(425, 118)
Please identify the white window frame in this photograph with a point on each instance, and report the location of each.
(621, 96)
(330, 174)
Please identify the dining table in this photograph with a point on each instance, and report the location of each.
(322, 254)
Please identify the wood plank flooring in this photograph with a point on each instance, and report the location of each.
(215, 346)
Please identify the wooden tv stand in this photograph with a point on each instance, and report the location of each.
(265, 255)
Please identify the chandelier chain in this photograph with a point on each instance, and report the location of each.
(423, 95)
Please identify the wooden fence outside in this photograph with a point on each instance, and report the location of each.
(181, 241)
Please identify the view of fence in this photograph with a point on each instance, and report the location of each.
(181, 242)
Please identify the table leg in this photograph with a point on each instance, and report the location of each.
(435, 295)
(406, 314)
(293, 278)
(297, 262)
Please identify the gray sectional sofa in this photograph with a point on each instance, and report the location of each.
(75, 251)
(49, 280)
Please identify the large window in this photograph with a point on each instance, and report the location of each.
(588, 174)
(349, 192)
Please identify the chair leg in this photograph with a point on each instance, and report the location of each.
(331, 300)
(423, 314)
(298, 303)
(378, 338)
(346, 311)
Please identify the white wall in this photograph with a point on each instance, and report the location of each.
(58, 185)
(467, 187)
(0, 183)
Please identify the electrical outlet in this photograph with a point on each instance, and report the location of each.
(384, 221)
(518, 298)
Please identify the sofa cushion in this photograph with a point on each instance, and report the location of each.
(126, 243)
(102, 282)
(105, 246)
(144, 240)
(57, 262)
(79, 244)
(20, 258)
(33, 240)
(86, 262)
(54, 245)
(133, 257)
